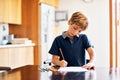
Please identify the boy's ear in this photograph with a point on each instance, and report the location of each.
(69, 22)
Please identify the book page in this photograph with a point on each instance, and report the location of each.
(72, 69)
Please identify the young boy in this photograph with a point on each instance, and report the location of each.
(69, 48)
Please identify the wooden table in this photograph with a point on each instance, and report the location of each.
(32, 72)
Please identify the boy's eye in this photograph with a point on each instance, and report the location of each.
(75, 28)
(80, 31)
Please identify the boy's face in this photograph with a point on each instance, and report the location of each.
(74, 30)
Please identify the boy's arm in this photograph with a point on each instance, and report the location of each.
(91, 53)
(56, 61)
(90, 64)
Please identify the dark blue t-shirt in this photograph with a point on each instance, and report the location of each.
(74, 53)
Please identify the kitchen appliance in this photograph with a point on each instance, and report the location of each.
(47, 18)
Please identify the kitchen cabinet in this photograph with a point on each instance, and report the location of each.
(10, 11)
(14, 11)
(4, 57)
(54, 3)
(3, 11)
(30, 26)
(16, 56)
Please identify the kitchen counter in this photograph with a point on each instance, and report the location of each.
(16, 45)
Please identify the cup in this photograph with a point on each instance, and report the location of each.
(10, 38)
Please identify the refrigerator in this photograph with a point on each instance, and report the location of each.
(47, 18)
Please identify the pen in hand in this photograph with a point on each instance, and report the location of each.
(61, 54)
(64, 63)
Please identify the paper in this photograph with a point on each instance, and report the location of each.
(72, 69)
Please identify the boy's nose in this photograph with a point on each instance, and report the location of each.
(77, 32)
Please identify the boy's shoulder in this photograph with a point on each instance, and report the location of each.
(82, 35)
(59, 37)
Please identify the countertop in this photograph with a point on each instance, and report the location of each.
(16, 45)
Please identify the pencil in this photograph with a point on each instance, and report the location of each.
(61, 54)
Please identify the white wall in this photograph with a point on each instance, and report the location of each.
(98, 31)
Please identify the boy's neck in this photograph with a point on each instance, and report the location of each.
(67, 33)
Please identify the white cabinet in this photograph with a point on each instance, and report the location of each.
(4, 57)
(16, 56)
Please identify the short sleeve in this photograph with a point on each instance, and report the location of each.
(55, 47)
(86, 41)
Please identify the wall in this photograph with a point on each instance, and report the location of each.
(98, 31)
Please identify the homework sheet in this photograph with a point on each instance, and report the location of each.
(72, 69)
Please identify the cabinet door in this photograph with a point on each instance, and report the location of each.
(10, 11)
(16, 57)
(20, 56)
(1, 10)
(50, 2)
(29, 55)
(56, 3)
(14, 11)
(4, 53)
(4, 11)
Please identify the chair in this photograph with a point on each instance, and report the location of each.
(87, 60)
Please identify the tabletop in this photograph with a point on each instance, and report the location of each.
(32, 72)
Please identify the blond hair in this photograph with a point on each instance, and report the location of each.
(79, 19)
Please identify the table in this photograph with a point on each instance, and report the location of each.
(32, 72)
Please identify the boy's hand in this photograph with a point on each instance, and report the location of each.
(63, 63)
(89, 66)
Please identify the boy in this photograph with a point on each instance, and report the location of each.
(69, 48)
